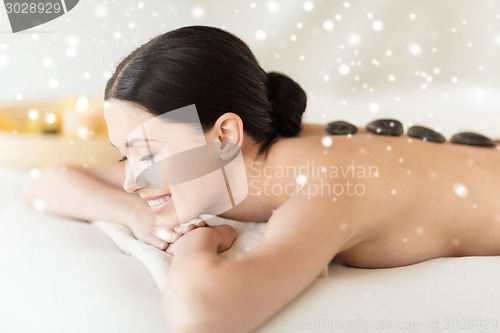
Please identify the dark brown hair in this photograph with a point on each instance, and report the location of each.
(217, 72)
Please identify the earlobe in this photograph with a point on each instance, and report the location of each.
(228, 150)
(230, 128)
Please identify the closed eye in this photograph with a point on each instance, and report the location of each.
(146, 158)
(123, 159)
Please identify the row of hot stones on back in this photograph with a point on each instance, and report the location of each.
(393, 127)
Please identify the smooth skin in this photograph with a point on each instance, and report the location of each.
(426, 200)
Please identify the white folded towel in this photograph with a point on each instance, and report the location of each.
(157, 262)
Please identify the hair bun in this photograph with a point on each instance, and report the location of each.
(289, 102)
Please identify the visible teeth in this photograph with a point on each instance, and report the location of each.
(157, 202)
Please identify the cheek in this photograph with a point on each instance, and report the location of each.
(211, 136)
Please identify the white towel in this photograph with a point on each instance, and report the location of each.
(157, 262)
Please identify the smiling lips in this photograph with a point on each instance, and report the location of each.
(158, 204)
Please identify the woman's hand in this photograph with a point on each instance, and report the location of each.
(145, 227)
(184, 228)
(156, 235)
(218, 238)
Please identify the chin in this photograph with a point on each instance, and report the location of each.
(168, 217)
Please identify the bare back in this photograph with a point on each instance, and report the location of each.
(415, 200)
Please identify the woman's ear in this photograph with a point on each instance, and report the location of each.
(229, 128)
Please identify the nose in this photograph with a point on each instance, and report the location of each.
(130, 184)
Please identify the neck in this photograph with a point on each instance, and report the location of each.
(256, 206)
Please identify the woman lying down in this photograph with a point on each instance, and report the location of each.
(203, 129)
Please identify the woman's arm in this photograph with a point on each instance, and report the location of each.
(82, 193)
(95, 193)
(209, 294)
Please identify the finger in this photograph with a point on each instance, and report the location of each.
(199, 222)
(167, 236)
(227, 235)
(184, 228)
(155, 241)
(194, 223)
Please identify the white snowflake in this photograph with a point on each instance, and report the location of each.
(354, 39)
(71, 52)
(308, 6)
(53, 83)
(33, 114)
(39, 205)
(497, 39)
(328, 25)
(35, 173)
(47, 62)
(4, 61)
(374, 107)
(198, 12)
(377, 25)
(327, 141)
(50, 118)
(260, 35)
(301, 179)
(344, 69)
(101, 11)
(415, 49)
(273, 7)
(460, 190)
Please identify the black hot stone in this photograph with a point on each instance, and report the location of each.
(473, 139)
(341, 128)
(425, 134)
(385, 127)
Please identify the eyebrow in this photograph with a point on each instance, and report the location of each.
(131, 142)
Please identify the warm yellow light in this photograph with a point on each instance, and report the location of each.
(33, 114)
(50, 118)
(83, 133)
(82, 103)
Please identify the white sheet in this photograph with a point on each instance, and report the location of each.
(158, 262)
(60, 275)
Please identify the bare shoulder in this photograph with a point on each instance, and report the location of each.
(313, 227)
(312, 129)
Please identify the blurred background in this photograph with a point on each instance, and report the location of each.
(428, 62)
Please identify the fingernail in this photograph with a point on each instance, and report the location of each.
(162, 234)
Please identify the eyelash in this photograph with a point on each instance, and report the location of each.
(146, 158)
(143, 159)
